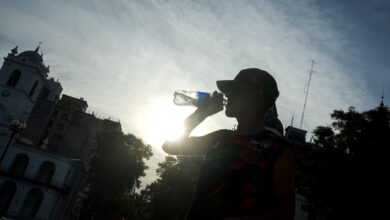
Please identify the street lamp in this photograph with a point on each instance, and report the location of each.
(16, 127)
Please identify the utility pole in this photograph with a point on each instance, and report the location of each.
(307, 93)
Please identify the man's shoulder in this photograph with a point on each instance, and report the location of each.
(277, 138)
(270, 139)
(279, 143)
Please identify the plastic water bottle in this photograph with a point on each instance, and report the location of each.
(191, 98)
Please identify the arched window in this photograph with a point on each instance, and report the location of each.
(33, 89)
(44, 93)
(19, 165)
(46, 172)
(32, 203)
(4, 114)
(14, 78)
(7, 192)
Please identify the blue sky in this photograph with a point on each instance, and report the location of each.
(126, 58)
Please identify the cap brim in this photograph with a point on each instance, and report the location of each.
(226, 85)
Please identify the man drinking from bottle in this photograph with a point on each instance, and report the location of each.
(248, 173)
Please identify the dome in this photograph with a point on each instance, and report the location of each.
(32, 56)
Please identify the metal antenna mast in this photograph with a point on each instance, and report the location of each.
(307, 93)
(383, 95)
(292, 119)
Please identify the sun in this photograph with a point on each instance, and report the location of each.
(165, 122)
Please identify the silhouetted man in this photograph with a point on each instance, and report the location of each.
(248, 173)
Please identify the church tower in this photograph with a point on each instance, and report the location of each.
(23, 80)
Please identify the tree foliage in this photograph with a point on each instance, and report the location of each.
(115, 168)
(342, 171)
(169, 197)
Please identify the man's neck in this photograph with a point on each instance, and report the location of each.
(250, 125)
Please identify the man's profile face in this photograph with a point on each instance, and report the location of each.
(241, 102)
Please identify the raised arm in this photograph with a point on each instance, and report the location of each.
(187, 145)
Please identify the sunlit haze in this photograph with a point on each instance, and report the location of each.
(164, 122)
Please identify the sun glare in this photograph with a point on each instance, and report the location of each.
(165, 123)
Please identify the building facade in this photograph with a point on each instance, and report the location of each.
(42, 169)
(35, 184)
(24, 79)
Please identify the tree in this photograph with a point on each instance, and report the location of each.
(169, 197)
(342, 173)
(115, 168)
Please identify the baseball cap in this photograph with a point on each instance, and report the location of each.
(257, 78)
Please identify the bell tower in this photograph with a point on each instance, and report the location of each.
(23, 79)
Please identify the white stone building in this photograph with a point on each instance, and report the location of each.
(23, 78)
(34, 184)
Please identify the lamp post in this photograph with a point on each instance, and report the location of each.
(16, 127)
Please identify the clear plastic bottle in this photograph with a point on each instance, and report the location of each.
(190, 98)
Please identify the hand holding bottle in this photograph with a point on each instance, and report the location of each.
(214, 104)
(208, 104)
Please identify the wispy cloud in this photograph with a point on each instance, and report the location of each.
(127, 57)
